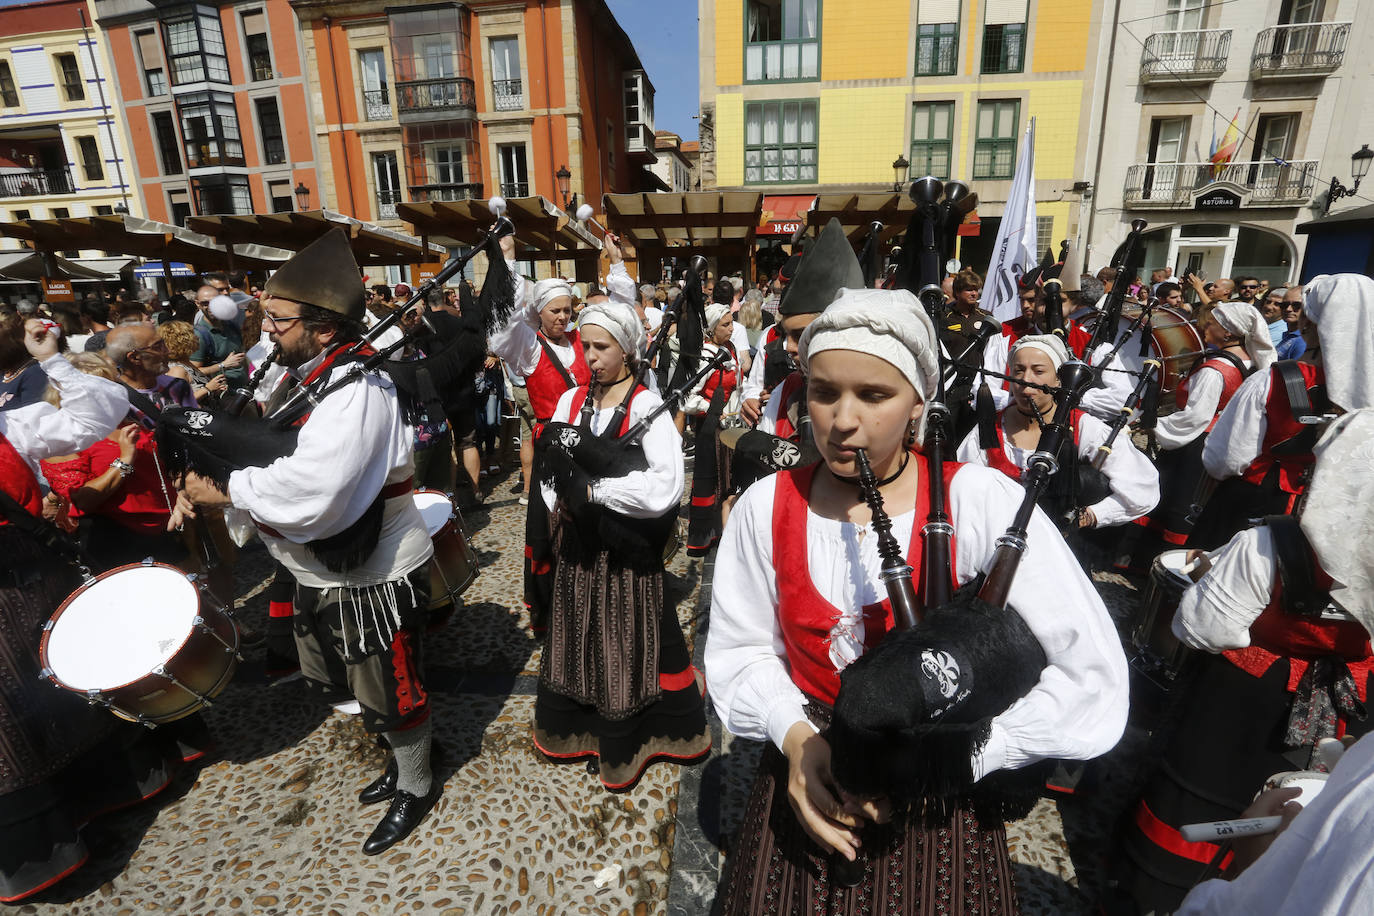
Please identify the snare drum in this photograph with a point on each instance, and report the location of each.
(454, 566)
(1156, 645)
(144, 641)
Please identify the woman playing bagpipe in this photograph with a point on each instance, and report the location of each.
(1080, 496)
(797, 598)
(616, 682)
(1239, 339)
(1281, 623)
(712, 403)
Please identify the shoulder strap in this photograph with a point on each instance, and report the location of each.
(1295, 386)
(42, 531)
(555, 361)
(1231, 358)
(1297, 567)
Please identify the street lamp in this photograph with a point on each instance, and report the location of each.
(1359, 167)
(563, 176)
(899, 172)
(302, 196)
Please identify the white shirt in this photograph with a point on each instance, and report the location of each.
(1238, 437)
(1133, 479)
(695, 404)
(1320, 866)
(1183, 426)
(91, 408)
(752, 384)
(1076, 711)
(639, 494)
(354, 443)
(1216, 612)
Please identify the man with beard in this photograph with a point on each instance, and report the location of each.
(337, 512)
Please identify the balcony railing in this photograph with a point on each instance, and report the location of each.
(445, 191)
(1269, 184)
(1309, 49)
(515, 189)
(377, 104)
(386, 204)
(509, 95)
(1185, 57)
(441, 95)
(36, 182)
(639, 138)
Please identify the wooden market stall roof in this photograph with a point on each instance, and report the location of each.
(133, 235)
(542, 231)
(701, 222)
(372, 245)
(28, 266)
(857, 211)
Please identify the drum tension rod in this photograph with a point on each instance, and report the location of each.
(201, 624)
(95, 698)
(161, 671)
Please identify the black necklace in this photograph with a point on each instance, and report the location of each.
(854, 481)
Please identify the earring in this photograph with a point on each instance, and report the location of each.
(911, 428)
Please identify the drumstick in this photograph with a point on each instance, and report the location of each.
(1213, 831)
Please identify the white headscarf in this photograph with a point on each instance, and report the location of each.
(715, 314)
(620, 321)
(1246, 322)
(546, 291)
(1340, 511)
(887, 323)
(1342, 305)
(1048, 344)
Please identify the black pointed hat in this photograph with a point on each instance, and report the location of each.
(323, 274)
(828, 266)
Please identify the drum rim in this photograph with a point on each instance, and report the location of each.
(86, 586)
(452, 506)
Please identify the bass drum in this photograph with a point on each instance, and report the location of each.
(1175, 341)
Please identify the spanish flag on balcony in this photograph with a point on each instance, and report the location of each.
(1230, 142)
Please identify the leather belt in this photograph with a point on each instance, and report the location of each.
(390, 491)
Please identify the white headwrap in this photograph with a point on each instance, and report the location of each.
(1246, 322)
(1340, 511)
(620, 321)
(1048, 344)
(545, 291)
(715, 314)
(887, 323)
(1342, 305)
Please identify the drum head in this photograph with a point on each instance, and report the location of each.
(435, 508)
(1171, 562)
(121, 626)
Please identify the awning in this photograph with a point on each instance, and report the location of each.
(542, 231)
(132, 235)
(109, 268)
(372, 245)
(28, 266)
(857, 212)
(698, 222)
(784, 214)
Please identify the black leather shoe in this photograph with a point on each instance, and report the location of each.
(381, 788)
(402, 817)
(384, 786)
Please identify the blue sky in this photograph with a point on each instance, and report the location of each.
(664, 33)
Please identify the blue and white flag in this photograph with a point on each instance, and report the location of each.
(1015, 250)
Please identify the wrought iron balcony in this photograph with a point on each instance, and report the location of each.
(445, 191)
(509, 95)
(386, 204)
(515, 189)
(1272, 183)
(36, 182)
(1299, 51)
(1195, 56)
(377, 104)
(440, 97)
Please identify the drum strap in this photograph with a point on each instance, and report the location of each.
(43, 531)
(1297, 568)
(1295, 385)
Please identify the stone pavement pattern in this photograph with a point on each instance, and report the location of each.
(272, 825)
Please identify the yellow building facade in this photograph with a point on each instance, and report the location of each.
(810, 96)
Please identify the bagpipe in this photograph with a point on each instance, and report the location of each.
(913, 712)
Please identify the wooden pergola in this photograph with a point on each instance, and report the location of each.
(543, 232)
(372, 245)
(718, 224)
(856, 212)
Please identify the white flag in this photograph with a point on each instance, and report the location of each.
(1014, 253)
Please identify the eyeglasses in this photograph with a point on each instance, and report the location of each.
(269, 318)
(1292, 306)
(1249, 286)
(159, 348)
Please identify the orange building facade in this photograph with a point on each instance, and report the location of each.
(457, 101)
(216, 106)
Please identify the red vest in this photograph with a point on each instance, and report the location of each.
(1281, 427)
(1277, 634)
(1231, 377)
(580, 397)
(545, 385)
(789, 389)
(17, 479)
(805, 617)
(997, 457)
(723, 378)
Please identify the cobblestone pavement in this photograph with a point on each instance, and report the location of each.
(271, 825)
